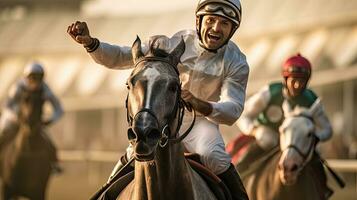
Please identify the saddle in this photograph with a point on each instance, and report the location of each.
(126, 175)
(216, 185)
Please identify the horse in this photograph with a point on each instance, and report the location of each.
(292, 170)
(155, 112)
(25, 161)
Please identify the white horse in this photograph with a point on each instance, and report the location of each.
(290, 171)
(297, 141)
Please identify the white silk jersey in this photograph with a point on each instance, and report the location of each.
(217, 77)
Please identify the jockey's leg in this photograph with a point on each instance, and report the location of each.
(206, 140)
(118, 171)
(53, 154)
(234, 183)
(122, 162)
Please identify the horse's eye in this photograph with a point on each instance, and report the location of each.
(309, 134)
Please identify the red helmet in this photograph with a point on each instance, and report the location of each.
(297, 66)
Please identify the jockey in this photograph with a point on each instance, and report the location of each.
(30, 86)
(263, 112)
(213, 72)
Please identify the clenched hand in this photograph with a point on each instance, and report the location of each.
(80, 33)
(199, 105)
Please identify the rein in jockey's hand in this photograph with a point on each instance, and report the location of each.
(199, 105)
(79, 31)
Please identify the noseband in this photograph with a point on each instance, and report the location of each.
(179, 106)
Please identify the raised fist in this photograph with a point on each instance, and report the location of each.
(80, 33)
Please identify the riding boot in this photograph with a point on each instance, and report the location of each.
(117, 171)
(254, 152)
(118, 166)
(235, 185)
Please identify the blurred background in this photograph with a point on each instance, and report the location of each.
(92, 134)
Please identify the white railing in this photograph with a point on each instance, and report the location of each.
(342, 165)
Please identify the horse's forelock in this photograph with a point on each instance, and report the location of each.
(158, 52)
(301, 122)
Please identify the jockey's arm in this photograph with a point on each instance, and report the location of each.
(120, 57)
(230, 106)
(113, 56)
(323, 129)
(57, 110)
(253, 107)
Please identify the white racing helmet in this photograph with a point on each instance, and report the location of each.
(34, 68)
(230, 9)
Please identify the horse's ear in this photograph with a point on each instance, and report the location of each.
(177, 52)
(136, 49)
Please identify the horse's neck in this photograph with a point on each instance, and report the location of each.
(266, 184)
(32, 128)
(158, 176)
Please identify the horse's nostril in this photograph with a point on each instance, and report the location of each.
(131, 134)
(294, 167)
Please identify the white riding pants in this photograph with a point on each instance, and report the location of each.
(206, 140)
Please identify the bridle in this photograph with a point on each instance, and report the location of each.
(305, 156)
(179, 108)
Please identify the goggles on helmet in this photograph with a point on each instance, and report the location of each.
(36, 77)
(294, 69)
(212, 8)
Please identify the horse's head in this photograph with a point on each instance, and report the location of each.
(297, 142)
(153, 102)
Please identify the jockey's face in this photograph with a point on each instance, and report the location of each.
(295, 86)
(34, 82)
(215, 31)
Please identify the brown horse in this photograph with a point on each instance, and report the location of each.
(292, 171)
(25, 161)
(155, 111)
